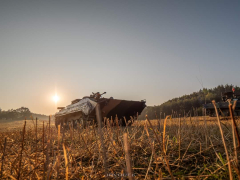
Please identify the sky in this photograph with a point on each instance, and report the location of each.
(134, 50)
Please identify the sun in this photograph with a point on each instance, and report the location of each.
(55, 98)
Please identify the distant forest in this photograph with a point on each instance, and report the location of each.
(187, 104)
(20, 114)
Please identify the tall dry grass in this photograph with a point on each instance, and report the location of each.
(152, 149)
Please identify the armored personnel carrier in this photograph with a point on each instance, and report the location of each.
(83, 110)
(223, 107)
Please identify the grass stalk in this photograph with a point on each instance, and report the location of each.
(127, 156)
(36, 159)
(164, 149)
(233, 134)
(21, 152)
(66, 161)
(179, 138)
(103, 150)
(223, 140)
(4, 149)
(43, 144)
(58, 154)
(234, 125)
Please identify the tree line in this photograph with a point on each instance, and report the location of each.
(16, 114)
(188, 104)
(20, 114)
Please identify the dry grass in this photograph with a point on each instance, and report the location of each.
(12, 125)
(76, 153)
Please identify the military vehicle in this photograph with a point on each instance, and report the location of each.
(223, 107)
(83, 110)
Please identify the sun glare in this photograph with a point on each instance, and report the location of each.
(55, 98)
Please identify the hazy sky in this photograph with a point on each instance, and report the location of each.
(134, 50)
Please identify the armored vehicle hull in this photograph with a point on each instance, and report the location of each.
(83, 110)
(223, 107)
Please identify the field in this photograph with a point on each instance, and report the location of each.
(180, 148)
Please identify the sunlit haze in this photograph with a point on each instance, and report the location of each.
(56, 98)
(134, 50)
